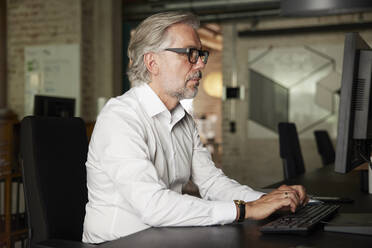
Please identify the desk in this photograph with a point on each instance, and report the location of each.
(326, 182)
(321, 182)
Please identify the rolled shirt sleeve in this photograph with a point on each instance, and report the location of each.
(213, 184)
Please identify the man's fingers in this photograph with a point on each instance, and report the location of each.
(294, 199)
(301, 192)
(287, 204)
(284, 198)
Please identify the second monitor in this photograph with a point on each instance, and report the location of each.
(54, 106)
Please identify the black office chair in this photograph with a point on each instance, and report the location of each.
(53, 154)
(290, 150)
(325, 147)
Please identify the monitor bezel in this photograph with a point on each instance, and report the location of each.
(354, 43)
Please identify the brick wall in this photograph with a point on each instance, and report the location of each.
(88, 61)
(2, 54)
(90, 23)
(36, 22)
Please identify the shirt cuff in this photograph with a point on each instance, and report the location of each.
(224, 212)
(254, 195)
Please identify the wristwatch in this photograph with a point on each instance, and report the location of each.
(241, 205)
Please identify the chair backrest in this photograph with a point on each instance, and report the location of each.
(325, 146)
(290, 150)
(53, 156)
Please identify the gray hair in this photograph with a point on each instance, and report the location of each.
(151, 36)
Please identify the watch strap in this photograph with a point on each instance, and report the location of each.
(241, 205)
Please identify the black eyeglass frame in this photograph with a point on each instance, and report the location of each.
(201, 53)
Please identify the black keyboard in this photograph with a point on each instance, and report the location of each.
(302, 221)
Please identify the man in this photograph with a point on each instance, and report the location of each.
(145, 147)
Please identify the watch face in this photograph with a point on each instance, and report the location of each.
(239, 202)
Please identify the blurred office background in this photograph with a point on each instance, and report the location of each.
(281, 67)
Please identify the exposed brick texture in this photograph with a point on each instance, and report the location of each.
(36, 22)
(88, 62)
(55, 22)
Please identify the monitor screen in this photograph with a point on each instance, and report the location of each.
(54, 106)
(354, 132)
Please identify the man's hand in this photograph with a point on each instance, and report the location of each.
(283, 198)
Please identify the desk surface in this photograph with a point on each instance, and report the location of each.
(321, 182)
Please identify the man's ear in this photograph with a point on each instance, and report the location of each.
(150, 61)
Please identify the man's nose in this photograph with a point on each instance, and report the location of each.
(199, 64)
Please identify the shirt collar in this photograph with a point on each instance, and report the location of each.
(177, 114)
(153, 105)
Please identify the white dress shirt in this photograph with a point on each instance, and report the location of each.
(140, 156)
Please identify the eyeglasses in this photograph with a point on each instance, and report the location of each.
(192, 53)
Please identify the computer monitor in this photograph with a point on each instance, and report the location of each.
(354, 134)
(54, 106)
